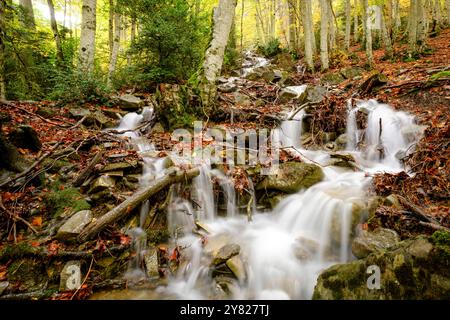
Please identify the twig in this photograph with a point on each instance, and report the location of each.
(85, 278)
(16, 217)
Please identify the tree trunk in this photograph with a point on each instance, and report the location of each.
(306, 11)
(132, 39)
(386, 38)
(292, 25)
(368, 34)
(54, 25)
(355, 22)
(348, 23)
(242, 25)
(396, 19)
(2, 52)
(332, 28)
(132, 202)
(28, 18)
(447, 6)
(212, 65)
(87, 38)
(111, 27)
(324, 34)
(116, 47)
(412, 28)
(422, 30)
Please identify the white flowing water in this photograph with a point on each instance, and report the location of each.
(285, 250)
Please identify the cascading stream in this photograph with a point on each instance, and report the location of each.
(285, 250)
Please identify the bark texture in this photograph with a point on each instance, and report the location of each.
(87, 38)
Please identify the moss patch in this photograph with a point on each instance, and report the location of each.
(67, 199)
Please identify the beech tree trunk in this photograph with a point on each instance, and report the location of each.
(212, 65)
(386, 37)
(348, 23)
(324, 34)
(28, 17)
(116, 46)
(54, 25)
(355, 22)
(412, 27)
(306, 11)
(368, 34)
(87, 38)
(111, 27)
(292, 25)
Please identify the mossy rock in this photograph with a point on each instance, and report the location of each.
(292, 177)
(68, 200)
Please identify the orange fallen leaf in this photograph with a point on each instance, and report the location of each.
(37, 221)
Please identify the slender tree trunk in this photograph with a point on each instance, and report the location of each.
(368, 34)
(260, 22)
(422, 29)
(386, 38)
(355, 22)
(324, 34)
(54, 25)
(116, 46)
(242, 25)
(437, 12)
(306, 11)
(412, 28)
(212, 65)
(132, 39)
(292, 25)
(28, 18)
(111, 27)
(2, 51)
(87, 38)
(447, 7)
(396, 19)
(332, 28)
(348, 23)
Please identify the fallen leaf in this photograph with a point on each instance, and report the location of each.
(37, 221)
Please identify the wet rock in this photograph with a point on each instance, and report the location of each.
(417, 268)
(242, 99)
(125, 166)
(3, 286)
(342, 140)
(78, 113)
(332, 78)
(151, 262)
(27, 275)
(102, 183)
(294, 92)
(237, 267)
(284, 61)
(70, 278)
(343, 160)
(392, 200)
(292, 176)
(72, 227)
(413, 132)
(352, 72)
(100, 119)
(214, 244)
(225, 253)
(227, 286)
(114, 113)
(25, 137)
(368, 242)
(158, 128)
(130, 102)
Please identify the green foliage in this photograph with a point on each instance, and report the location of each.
(441, 237)
(439, 75)
(171, 40)
(70, 86)
(57, 201)
(271, 48)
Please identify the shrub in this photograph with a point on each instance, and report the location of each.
(271, 48)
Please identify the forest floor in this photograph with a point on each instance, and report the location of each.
(421, 87)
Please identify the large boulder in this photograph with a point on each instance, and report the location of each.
(292, 176)
(417, 268)
(368, 242)
(73, 227)
(316, 94)
(292, 92)
(352, 72)
(129, 102)
(25, 137)
(332, 78)
(226, 252)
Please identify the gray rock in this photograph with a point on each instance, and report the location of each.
(70, 278)
(74, 225)
(369, 242)
(102, 183)
(413, 132)
(151, 262)
(332, 78)
(352, 72)
(130, 103)
(292, 176)
(342, 140)
(3, 286)
(227, 87)
(392, 200)
(316, 94)
(225, 253)
(242, 99)
(78, 113)
(158, 128)
(293, 92)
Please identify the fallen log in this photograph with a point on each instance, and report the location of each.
(87, 171)
(126, 207)
(416, 211)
